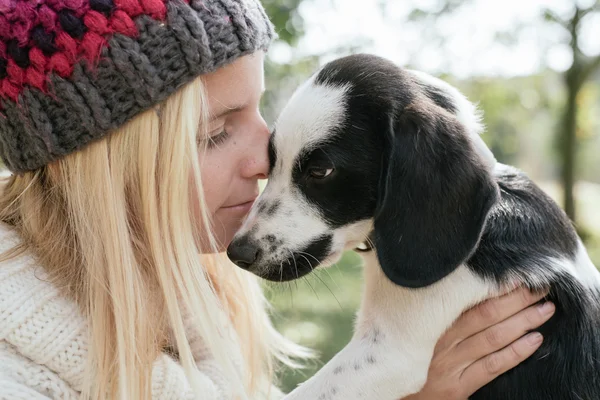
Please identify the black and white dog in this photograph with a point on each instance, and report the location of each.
(368, 152)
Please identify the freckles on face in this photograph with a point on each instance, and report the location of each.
(234, 154)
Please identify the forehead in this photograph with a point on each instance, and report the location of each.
(235, 85)
(310, 117)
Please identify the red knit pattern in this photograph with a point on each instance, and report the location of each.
(71, 31)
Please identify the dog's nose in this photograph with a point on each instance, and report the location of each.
(243, 252)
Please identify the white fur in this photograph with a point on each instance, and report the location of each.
(584, 269)
(540, 276)
(406, 324)
(294, 222)
(310, 115)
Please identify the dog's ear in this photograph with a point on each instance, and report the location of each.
(435, 194)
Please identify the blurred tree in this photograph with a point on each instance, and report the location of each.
(281, 78)
(575, 77)
(288, 22)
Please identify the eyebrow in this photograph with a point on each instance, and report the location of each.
(231, 110)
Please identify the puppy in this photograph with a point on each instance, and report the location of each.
(367, 152)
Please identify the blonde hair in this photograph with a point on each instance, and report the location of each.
(112, 225)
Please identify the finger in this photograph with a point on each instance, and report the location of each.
(502, 334)
(491, 312)
(490, 367)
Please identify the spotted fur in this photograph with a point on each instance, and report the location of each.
(368, 151)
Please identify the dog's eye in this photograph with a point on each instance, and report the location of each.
(320, 173)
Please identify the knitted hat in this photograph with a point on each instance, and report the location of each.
(72, 70)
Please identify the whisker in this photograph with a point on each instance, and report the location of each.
(368, 240)
(289, 285)
(310, 255)
(295, 264)
(317, 275)
(330, 291)
(331, 277)
(281, 271)
(307, 260)
(337, 266)
(325, 269)
(305, 278)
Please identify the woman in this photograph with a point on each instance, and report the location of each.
(135, 143)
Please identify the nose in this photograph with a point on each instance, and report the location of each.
(243, 252)
(256, 164)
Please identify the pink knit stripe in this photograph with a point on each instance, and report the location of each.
(40, 37)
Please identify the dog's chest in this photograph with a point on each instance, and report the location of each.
(391, 315)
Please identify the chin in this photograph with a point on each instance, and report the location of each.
(221, 241)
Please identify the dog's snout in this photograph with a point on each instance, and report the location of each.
(243, 252)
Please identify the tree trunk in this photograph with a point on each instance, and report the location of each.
(569, 119)
(569, 142)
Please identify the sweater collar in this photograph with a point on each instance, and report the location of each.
(36, 319)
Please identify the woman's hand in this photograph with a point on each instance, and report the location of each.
(483, 343)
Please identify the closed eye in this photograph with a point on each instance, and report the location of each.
(219, 138)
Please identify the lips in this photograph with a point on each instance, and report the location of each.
(240, 204)
(244, 206)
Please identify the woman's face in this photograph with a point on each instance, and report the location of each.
(236, 155)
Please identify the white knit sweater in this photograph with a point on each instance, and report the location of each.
(43, 342)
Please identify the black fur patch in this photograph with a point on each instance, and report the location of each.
(523, 228)
(301, 262)
(272, 152)
(349, 193)
(401, 161)
(439, 97)
(273, 208)
(356, 147)
(433, 200)
(566, 365)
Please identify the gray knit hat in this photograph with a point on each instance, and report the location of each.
(72, 70)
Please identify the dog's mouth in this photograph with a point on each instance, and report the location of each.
(300, 262)
(293, 268)
(280, 268)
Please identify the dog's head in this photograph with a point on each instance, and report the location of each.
(365, 149)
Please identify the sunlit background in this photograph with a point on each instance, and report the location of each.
(533, 68)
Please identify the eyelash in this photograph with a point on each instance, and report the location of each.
(217, 139)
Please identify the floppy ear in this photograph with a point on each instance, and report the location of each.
(435, 194)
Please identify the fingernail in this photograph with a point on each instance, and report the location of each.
(534, 338)
(547, 308)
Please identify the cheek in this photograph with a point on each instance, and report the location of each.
(216, 178)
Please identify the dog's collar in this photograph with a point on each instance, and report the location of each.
(367, 245)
